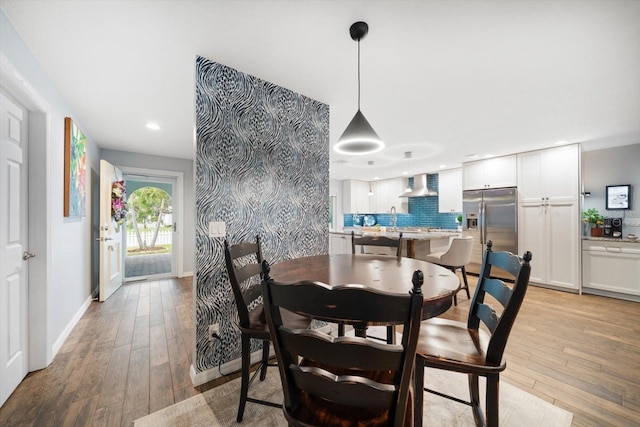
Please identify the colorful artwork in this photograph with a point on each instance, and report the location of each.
(75, 169)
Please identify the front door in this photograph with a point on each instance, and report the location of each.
(14, 253)
(111, 256)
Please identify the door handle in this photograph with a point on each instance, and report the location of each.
(27, 255)
(103, 239)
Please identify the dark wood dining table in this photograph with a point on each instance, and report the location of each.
(382, 272)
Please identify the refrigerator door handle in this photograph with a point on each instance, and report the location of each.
(482, 223)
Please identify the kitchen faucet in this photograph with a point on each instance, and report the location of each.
(394, 218)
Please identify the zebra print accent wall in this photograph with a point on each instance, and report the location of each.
(262, 167)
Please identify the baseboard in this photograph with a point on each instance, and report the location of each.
(185, 274)
(199, 378)
(72, 323)
(610, 294)
(230, 367)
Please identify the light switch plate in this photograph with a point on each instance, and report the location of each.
(217, 229)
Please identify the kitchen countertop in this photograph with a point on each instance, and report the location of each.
(610, 239)
(412, 233)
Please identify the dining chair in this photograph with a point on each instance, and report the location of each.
(243, 266)
(329, 381)
(465, 347)
(455, 257)
(378, 241)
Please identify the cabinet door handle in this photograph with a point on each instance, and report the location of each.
(613, 249)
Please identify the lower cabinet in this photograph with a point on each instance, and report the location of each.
(339, 243)
(551, 232)
(611, 266)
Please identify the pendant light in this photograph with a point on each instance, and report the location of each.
(407, 155)
(359, 137)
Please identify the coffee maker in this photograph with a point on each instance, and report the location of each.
(613, 227)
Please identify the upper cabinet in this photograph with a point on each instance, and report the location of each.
(386, 194)
(497, 172)
(450, 191)
(355, 196)
(552, 174)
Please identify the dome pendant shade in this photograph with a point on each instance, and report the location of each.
(359, 137)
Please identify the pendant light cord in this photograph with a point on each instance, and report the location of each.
(358, 74)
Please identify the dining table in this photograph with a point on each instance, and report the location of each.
(381, 272)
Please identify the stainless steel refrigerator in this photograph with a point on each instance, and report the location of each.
(491, 215)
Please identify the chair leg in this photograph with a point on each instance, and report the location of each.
(244, 387)
(391, 334)
(474, 395)
(466, 283)
(265, 359)
(418, 392)
(455, 296)
(340, 329)
(493, 390)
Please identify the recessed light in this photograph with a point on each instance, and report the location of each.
(488, 156)
(153, 126)
(405, 173)
(443, 166)
(561, 142)
(375, 178)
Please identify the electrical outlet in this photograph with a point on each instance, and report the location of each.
(214, 331)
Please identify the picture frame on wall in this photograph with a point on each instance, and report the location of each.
(618, 197)
(75, 170)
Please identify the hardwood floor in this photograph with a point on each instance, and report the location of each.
(131, 356)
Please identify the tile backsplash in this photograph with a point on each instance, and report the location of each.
(423, 212)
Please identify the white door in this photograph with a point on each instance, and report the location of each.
(110, 234)
(13, 247)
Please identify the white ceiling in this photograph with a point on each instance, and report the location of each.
(443, 79)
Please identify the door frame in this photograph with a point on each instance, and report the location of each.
(14, 84)
(178, 204)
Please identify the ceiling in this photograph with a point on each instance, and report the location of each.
(445, 80)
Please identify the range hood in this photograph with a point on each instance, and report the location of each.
(420, 188)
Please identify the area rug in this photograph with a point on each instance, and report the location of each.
(218, 406)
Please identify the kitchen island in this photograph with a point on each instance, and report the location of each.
(417, 241)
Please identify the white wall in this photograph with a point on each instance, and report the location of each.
(122, 158)
(612, 166)
(63, 268)
(335, 189)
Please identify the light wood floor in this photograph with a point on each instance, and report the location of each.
(131, 356)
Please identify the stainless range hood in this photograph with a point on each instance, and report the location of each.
(420, 188)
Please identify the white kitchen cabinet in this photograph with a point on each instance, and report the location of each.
(386, 193)
(450, 191)
(611, 266)
(355, 196)
(552, 173)
(339, 243)
(497, 172)
(549, 215)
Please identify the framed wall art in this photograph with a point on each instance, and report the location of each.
(618, 197)
(75, 170)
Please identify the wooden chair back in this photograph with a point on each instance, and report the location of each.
(329, 380)
(377, 241)
(509, 297)
(243, 262)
